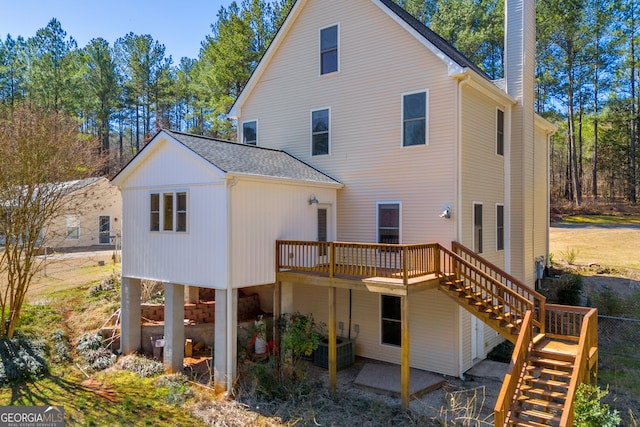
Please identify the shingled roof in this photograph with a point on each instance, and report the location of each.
(231, 157)
(433, 38)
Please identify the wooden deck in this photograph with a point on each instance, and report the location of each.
(379, 284)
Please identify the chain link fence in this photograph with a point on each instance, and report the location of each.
(619, 365)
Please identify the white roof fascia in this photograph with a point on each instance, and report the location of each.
(544, 124)
(234, 112)
(485, 86)
(150, 148)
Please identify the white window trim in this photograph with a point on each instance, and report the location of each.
(473, 226)
(389, 202)
(161, 194)
(503, 227)
(337, 24)
(380, 322)
(426, 118)
(66, 229)
(504, 126)
(311, 132)
(242, 131)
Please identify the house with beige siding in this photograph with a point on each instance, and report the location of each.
(90, 217)
(420, 221)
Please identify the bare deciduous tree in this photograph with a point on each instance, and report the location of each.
(39, 152)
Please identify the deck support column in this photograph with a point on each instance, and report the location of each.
(131, 326)
(277, 314)
(405, 366)
(332, 340)
(191, 294)
(220, 342)
(173, 327)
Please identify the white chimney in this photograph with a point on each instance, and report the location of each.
(520, 53)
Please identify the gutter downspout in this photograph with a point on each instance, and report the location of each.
(458, 191)
(231, 181)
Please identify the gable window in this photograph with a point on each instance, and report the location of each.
(168, 209)
(389, 223)
(499, 227)
(320, 132)
(391, 323)
(329, 50)
(73, 227)
(250, 132)
(155, 212)
(477, 227)
(500, 132)
(414, 119)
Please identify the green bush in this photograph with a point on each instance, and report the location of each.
(97, 357)
(588, 410)
(22, 360)
(569, 289)
(502, 352)
(608, 302)
(59, 342)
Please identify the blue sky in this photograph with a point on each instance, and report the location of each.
(180, 25)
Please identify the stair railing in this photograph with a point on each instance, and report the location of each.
(489, 287)
(582, 365)
(508, 392)
(507, 280)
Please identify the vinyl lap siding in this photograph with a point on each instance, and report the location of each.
(433, 328)
(482, 170)
(264, 212)
(365, 101)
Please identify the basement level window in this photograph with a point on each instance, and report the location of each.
(391, 323)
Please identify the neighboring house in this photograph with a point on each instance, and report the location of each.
(91, 216)
(389, 138)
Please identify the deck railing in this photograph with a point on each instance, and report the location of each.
(565, 321)
(586, 359)
(358, 259)
(514, 374)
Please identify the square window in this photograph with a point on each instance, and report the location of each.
(414, 119)
(329, 50)
(320, 132)
(250, 133)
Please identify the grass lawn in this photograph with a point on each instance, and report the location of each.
(604, 240)
(62, 300)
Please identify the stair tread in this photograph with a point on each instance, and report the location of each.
(542, 392)
(540, 402)
(538, 414)
(552, 383)
(547, 371)
(550, 362)
(525, 423)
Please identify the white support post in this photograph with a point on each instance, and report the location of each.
(130, 327)
(220, 343)
(173, 327)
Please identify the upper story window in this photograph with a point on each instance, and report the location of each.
(500, 132)
(320, 132)
(250, 132)
(414, 118)
(168, 209)
(329, 50)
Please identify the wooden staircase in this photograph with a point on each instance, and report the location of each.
(555, 346)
